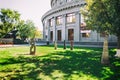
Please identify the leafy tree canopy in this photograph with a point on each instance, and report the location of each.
(103, 16)
(26, 29)
(8, 20)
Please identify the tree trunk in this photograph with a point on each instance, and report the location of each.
(32, 47)
(118, 48)
(105, 54)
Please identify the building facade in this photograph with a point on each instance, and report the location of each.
(65, 22)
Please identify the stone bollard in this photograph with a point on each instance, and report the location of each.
(32, 47)
(55, 45)
(47, 43)
(71, 45)
(64, 45)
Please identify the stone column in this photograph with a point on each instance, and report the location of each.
(54, 29)
(77, 27)
(63, 27)
(48, 28)
(44, 31)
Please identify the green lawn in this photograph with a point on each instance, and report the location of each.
(50, 64)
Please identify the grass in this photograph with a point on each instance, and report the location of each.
(50, 64)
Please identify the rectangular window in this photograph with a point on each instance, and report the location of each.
(59, 20)
(86, 35)
(71, 18)
(51, 22)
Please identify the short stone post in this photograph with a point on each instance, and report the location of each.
(47, 43)
(32, 47)
(64, 45)
(105, 54)
(55, 45)
(71, 45)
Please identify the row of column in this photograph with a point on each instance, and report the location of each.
(64, 28)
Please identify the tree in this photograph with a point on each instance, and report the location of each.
(8, 20)
(38, 33)
(103, 16)
(26, 29)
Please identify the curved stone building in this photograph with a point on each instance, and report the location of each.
(65, 22)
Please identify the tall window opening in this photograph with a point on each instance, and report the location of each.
(70, 34)
(59, 35)
(71, 18)
(51, 35)
(59, 20)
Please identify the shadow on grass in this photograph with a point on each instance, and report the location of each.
(83, 64)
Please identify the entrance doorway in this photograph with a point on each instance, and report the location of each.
(51, 35)
(70, 34)
(59, 35)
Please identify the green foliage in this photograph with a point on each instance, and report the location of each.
(50, 64)
(103, 16)
(8, 20)
(26, 29)
(38, 34)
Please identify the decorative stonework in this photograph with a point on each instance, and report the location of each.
(63, 7)
(56, 3)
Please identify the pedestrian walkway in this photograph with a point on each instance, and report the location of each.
(16, 45)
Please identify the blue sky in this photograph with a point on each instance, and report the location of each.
(29, 9)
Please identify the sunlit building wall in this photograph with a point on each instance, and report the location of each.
(65, 22)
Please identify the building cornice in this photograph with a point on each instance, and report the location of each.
(51, 3)
(63, 7)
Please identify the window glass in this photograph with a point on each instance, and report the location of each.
(51, 22)
(59, 20)
(71, 18)
(86, 35)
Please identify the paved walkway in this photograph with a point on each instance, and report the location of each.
(15, 45)
(41, 44)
